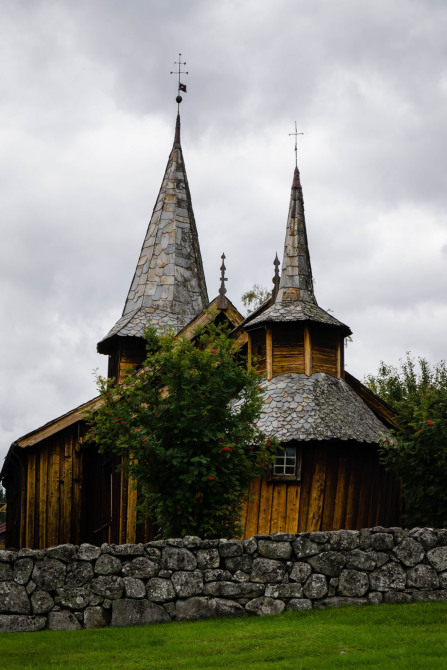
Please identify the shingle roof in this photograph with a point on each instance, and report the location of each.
(168, 288)
(295, 300)
(291, 310)
(319, 407)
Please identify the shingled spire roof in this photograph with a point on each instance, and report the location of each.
(168, 288)
(295, 300)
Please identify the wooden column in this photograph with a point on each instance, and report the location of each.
(269, 352)
(249, 352)
(340, 357)
(307, 352)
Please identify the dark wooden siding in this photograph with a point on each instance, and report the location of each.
(342, 486)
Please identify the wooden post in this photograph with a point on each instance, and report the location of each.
(249, 352)
(307, 352)
(340, 357)
(269, 352)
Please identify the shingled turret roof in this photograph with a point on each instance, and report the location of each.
(295, 300)
(318, 407)
(168, 288)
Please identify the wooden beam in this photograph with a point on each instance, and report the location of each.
(307, 352)
(269, 352)
(340, 357)
(249, 352)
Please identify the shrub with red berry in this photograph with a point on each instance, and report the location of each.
(418, 454)
(186, 423)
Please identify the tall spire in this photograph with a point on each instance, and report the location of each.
(168, 288)
(296, 276)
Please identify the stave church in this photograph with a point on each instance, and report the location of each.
(327, 476)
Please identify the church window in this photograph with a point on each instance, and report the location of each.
(287, 464)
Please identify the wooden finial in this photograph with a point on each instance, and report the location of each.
(275, 279)
(222, 303)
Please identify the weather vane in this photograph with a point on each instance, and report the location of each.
(296, 133)
(181, 87)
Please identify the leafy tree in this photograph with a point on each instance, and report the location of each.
(185, 427)
(254, 298)
(418, 454)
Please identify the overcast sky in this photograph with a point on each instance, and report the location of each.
(87, 113)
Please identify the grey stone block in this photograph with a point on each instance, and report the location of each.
(14, 623)
(208, 558)
(187, 584)
(141, 568)
(14, 599)
(127, 612)
(134, 588)
(264, 606)
(390, 576)
(41, 602)
(108, 586)
(438, 558)
(63, 621)
(88, 552)
(328, 563)
(107, 564)
(202, 607)
(63, 552)
(176, 559)
(422, 577)
(49, 574)
(22, 570)
(267, 570)
(299, 604)
(160, 590)
(315, 587)
(233, 589)
(409, 552)
(96, 617)
(276, 550)
(300, 572)
(353, 583)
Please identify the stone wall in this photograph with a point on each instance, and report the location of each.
(69, 587)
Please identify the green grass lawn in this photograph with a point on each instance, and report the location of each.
(407, 637)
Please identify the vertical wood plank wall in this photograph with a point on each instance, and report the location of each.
(342, 486)
(61, 491)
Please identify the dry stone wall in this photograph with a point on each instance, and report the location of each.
(70, 587)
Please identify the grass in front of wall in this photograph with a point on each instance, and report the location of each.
(404, 637)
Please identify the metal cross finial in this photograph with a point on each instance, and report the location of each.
(222, 303)
(296, 143)
(181, 87)
(275, 279)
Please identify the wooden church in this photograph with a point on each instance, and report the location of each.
(327, 477)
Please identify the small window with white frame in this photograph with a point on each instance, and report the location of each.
(287, 464)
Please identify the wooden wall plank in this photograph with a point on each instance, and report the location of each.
(53, 494)
(76, 508)
(23, 499)
(316, 498)
(292, 507)
(330, 491)
(43, 496)
(342, 486)
(131, 511)
(30, 538)
(307, 352)
(265, 507)
(66, 485)
(307, 470)
(279, 503)
(269, 352)
(353, 488)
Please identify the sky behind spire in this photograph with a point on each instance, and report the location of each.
(86, 123)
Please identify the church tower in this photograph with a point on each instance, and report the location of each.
(168, 288)
(328, 475)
